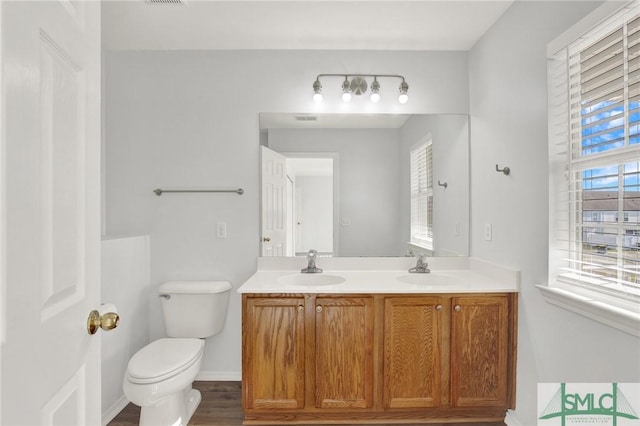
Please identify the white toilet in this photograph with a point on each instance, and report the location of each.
(159, 376)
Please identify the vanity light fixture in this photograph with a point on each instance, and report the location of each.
(356, 84)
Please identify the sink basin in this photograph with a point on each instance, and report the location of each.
(310, 279)
(428, 279)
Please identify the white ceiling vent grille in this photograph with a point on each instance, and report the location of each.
(306, 118)
(166, 2)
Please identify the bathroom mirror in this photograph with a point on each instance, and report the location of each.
(342, 184)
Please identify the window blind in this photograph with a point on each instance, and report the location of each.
(421, 162)
(594, 149)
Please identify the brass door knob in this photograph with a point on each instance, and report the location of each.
(107, 321)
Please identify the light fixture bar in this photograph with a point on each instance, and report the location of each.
(358, 85)
(361, 75)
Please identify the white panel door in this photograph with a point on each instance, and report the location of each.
(50, 124)
(274, 203)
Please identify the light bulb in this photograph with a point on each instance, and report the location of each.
(317, 91)
(375, 89)
(404, 88)
(346, 90)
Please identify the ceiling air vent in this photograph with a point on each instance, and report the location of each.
(166, 2)
(306, 118)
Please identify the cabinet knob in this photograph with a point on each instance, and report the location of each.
(457, 308)
(300, 308)
(438, 307)
(318, 308)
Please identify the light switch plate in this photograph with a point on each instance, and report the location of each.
(221, 230)
(487, 232)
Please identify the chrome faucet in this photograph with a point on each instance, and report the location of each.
(421, 263)
(311, 266)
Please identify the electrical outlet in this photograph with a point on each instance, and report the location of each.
(487, 232)
(221, 230)
(346, 221)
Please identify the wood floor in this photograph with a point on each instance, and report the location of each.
(222, 406)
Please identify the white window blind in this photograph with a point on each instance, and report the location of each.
(421, 159)
(594, 159)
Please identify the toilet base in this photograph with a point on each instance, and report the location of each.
(174, 410)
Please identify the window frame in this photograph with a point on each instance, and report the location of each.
(424, 242)
(614, 308)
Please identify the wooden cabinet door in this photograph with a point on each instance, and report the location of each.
(479, 351)
(412, 345)
(344, 352)
(273, 359)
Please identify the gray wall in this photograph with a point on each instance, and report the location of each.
(450, 136)
(190, 119)
(368, 182)
(509, 127)
(125, 283)
(374, 181)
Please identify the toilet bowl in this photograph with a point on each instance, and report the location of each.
(159, 376)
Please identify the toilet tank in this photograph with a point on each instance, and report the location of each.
(194, 308)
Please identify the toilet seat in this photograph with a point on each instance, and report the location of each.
(164, 359)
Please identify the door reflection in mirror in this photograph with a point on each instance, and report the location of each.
(298, 203)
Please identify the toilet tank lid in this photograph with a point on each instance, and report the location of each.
(194, 287)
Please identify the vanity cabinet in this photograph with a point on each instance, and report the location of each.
(413, 343)
(397, 358)
(343, 348)
(273, 339)
(479, 351)
(274, 351)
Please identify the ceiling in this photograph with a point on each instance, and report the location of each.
(302, 24)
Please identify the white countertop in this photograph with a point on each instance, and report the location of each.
(462, 275)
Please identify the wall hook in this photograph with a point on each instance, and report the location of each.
(506, 170)
(442, 184)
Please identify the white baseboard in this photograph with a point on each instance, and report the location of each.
(113, 411)
(219, 376)
(511, 420)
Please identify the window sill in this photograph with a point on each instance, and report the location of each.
(428, 250)
(627, 320)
